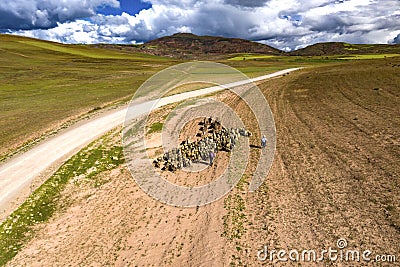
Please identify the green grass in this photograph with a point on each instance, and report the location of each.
(334, 49)
(250, 57)
(18, 228)
(155, 127)
(369, 56)
(266, 65)
(188, 87)
(85, 51)
(235, 220)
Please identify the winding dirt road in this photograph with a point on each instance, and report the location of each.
(17, 174)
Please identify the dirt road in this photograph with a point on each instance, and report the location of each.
(17, 174)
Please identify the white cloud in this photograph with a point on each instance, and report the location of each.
(286, 24)
(34, 14)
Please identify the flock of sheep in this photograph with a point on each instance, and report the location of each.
(213, 138)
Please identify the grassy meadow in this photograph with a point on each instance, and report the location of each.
(46, 84)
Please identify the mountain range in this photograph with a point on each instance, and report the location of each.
(190, 46)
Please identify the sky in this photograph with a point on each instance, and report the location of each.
(284, 24)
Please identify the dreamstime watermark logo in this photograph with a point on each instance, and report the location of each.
(339, 253)
(165, 88)
(341, 243)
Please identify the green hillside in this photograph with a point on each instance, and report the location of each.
(335, 48)
(45, 84)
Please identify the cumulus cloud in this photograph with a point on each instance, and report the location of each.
(79, 31)
(246, 3)
(285, 24)
(396, 39)
(45, 14)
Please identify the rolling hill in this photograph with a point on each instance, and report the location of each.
(335, 48)
(190, 46)
(187, 44)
